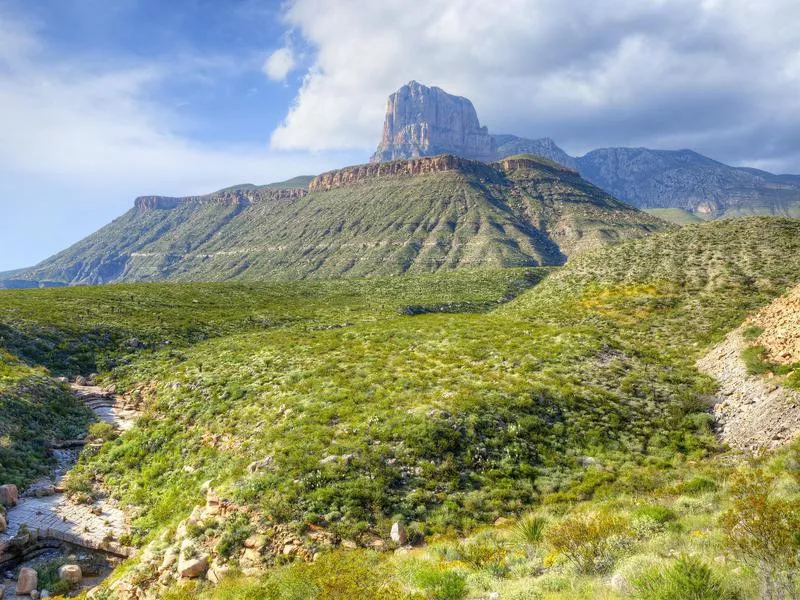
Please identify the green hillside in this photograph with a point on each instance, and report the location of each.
(536, 213)
(419, 399)
(678, 216)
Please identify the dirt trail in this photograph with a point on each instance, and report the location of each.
(752, 413)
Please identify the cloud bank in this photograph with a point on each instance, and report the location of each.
(719, 76)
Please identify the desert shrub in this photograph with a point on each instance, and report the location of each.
(698, 485)
(530, 529)
(335, 576)
(236, 530)
(586, 539)
(439, 583)
(656, 512)
(764, 530)
(80, 487)
(102, 431)
(687, 578)
(48, 577)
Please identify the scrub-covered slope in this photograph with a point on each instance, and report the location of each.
(407, 216)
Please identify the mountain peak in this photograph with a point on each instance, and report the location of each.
(427, 121)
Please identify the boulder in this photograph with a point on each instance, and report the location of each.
(398, 534)
(27, 580)
(70, 573)
(190, 568)
(9, 495)
(216, 572)
(80, 380)
(47, 490)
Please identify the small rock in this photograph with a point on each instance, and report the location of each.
(259, 465)
(493, 596)
(9, 495)
(289, 549)
(80, 380)
(329, 459)
(398, 534)
(620, 584)
(34, 595)
(216, 572)
(501, 522)
(170, 556)
(42, 492)
(70, 573)
(3, 527)
(27, 580)
(256, 541)
(349, 544)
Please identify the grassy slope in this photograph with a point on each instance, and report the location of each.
(35, 410)
(678, 216)
(385, 226)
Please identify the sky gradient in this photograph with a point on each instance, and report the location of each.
(105, 100)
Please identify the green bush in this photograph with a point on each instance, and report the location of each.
(236, 530)
(688, 578)
(438, 583)
(585, 539)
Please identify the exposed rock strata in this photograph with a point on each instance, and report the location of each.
(419, 166)
(232, 198)
(781, 324)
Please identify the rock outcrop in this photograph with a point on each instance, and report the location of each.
(241, 197)
(426, 121)
(419, 166)
(780, 322)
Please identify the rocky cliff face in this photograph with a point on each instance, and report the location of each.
(426, 121)
(238, 197)
(419, 166)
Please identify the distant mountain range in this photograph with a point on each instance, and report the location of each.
(424, 214)
(422, 121)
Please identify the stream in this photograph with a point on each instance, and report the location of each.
(85, 534)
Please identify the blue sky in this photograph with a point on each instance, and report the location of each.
(105, 100)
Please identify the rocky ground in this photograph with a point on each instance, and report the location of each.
(753, 413)
(43, 506)
(781, 324)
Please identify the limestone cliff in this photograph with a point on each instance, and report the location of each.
(235, 197)
(426, 121)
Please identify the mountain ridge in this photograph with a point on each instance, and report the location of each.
(420, 215)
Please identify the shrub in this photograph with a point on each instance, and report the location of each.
(698, 485)
(687, 578)
(102, 431)
(236, 531)
(765, 531)
(530, 529)
(439, 584)
(585, 539)
(656, 512)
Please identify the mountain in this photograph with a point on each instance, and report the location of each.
(418, 215)
(687, 180)
(426, 121)
(423, 121)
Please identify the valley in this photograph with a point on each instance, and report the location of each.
(445, 435)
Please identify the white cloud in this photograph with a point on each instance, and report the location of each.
(102, 127)
(279, 64)
(720, 75)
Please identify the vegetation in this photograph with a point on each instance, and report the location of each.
(469, 218)
(576, 403)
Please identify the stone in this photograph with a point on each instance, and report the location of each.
(9, 495)
(190, 568)
(80, 380)
(170, 557)
(3, 524)
(250, 558)
(426, 121)
(259, 465)
(349, 544)
(493, 596)
(44, 594)
(289, 549)
(256, 541)
(70, 573)
(34, 594)
(398, 534)
(619, 583)
(217, 571)
(27, 580)
(44, 491)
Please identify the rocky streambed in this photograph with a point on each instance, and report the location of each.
(45, 530)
